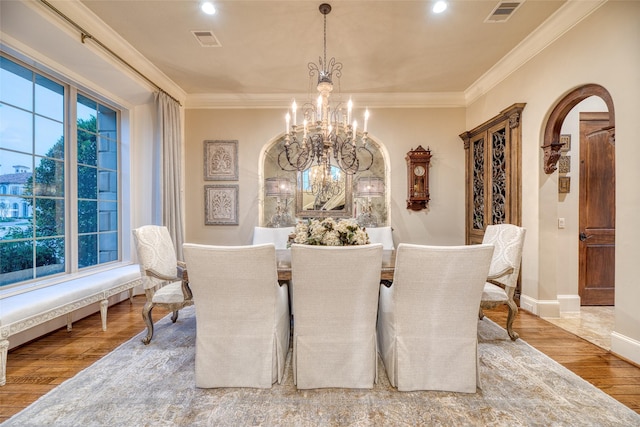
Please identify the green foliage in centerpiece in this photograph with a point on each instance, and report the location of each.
(329, 232)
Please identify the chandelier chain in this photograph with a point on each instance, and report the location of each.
(325, 40)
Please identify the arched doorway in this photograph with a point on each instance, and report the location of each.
(595, 232)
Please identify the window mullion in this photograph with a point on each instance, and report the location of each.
(71, 199)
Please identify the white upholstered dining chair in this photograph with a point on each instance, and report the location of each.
(242, 315)
(381, 235)
(276, 235)
(500, 288)
(335, 303)
(164, 278)
(279, 236)
(428, 318)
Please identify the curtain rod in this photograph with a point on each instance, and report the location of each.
(84, 34)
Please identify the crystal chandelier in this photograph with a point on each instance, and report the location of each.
(327, 136)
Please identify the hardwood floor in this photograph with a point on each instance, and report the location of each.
(37, 367)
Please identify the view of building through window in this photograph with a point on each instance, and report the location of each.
(50, 180)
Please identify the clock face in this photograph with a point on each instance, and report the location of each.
(418, 170)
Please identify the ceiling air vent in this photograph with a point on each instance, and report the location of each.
(503, 11)
(206, 38)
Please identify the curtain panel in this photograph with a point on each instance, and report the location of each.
(170, 130)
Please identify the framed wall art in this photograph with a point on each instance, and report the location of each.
(566, 141)
(564, 164)
(221, 160)
(221, 204)
(564, 184)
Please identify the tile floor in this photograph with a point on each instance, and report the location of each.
(594, 324)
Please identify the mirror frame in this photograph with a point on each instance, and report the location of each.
(346, 212)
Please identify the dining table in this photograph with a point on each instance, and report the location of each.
(387, 268)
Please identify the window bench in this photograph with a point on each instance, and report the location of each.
(29, 309)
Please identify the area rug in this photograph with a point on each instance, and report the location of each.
(138, 385)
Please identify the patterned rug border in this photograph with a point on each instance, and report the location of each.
(137, 385)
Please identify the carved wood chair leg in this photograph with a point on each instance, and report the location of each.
(174, 316)
(148, 320)
(513, 310)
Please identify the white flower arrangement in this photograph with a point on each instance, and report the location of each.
(329, 232)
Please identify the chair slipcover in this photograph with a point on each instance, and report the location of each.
(161, 274)
(427, 319)
(242, 315)
(500, 288)
(277, 235)
(335, 303)
(381, 235)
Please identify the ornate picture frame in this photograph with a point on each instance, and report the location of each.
(221, 204)
(221, 160)
(564, 184)
(564, 164)
(565, 140)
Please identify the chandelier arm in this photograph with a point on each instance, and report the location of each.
(294, 162)
(347, 158)
(354, 159)
(368, 155)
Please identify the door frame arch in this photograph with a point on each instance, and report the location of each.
(551, 142)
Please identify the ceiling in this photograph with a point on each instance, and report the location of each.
(386, 47)
(394, 52)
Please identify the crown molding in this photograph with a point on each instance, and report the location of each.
(90, 22)
(37, 60)
(565, 18)
(369, 100)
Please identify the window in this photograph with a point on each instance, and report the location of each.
(55, 179)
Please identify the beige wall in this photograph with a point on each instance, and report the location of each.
(398, 130)
(602, 49)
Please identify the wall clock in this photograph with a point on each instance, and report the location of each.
(418, 162)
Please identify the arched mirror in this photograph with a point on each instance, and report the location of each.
(320, 193)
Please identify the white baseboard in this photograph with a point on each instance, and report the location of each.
(550, 308)
(625, 347)
(529, 304)
(569, 303)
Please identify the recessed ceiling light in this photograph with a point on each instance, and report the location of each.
(208, 8)
(440, 6)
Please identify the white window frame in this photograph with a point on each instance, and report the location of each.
(71, 90)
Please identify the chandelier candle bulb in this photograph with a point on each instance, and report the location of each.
(366, 119)
(287, 118)
(294, 108)
(355, 132)
(349, 108)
